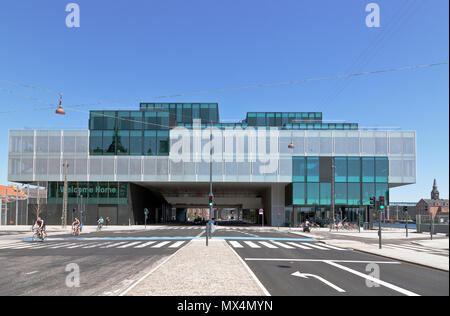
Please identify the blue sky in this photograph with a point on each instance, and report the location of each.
(136, 50)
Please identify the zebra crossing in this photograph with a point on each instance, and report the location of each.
(94, 245)
(417, 248)
(272, 244)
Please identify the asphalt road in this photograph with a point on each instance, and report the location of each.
(286, 264)
(333, 272)
(103, 270)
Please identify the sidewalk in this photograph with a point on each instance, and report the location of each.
(410, 256)
(214, 270)
(435, 243)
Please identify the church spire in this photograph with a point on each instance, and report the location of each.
(435, 192)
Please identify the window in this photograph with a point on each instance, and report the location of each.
(354, 194)
(150, 147)
(340, 174)
(312, 190)
(340, 193)
(368, 191)
(313, 169)
(136, 118)
(299, 197)
(354, 169)
(325, 193)
(95, 142)
(136, 143)
(96, 121)
(163, 143)
(381, 169)
(123, 143)
(299, 169)
(368, 170)
(109, 120)
(109, 144)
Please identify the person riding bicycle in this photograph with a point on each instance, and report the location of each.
(100, 222)
(76, 225)
(40, 225)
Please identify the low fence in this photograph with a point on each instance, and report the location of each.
(438, 223)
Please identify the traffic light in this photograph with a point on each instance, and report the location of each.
(381, 201)
(372, 201)
(211, 202)
(405, 209)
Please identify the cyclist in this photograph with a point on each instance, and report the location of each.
(76, 226)
(40, 225)
(100, 223)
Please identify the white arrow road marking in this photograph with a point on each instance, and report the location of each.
(368, 277)
(306, 275)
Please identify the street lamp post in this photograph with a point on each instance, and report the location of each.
(332, 193)
(64, 210)
(211, 195)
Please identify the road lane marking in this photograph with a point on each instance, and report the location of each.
(114, 245)
(332, 247)
(65, 244)
(320, 260)
(268, 245)
(282, 245)
(307, 275)
(78, 246)
(97, 245)
(298, 245)
(145, 244)
(371, 278)
(315, 246)
(235, 244)
(161, 244)
(129, 245)
(176, 244)
(32, 272)
(252, 244)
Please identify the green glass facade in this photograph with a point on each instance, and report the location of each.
(356, 180)
(92, 192)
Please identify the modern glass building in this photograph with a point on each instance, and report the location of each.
(159, 157)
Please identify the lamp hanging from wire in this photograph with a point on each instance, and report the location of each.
(60, 109)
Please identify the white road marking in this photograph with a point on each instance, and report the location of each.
(282, 245)
(129, 244)
(65, 244)
(97, 245)
(371, 278)
(315, 246)
(78, 246)
(306, 275)
(268, 244)
(114, 244)
(145, 244)
(32, 272)
(161, 244)
(298, 245)
(177, 244)
(252, 244)
(332, 247)
(235, 244)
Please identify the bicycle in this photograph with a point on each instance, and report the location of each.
(38, 234)
(99, 227)
(76, 231)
